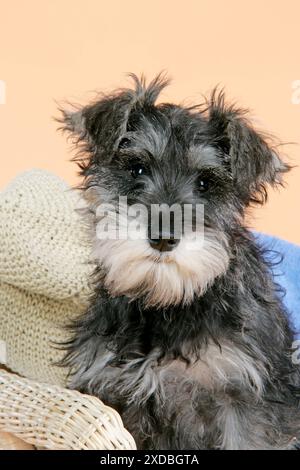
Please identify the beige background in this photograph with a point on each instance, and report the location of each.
(64, 49)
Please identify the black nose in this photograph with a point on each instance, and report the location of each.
(162, 244)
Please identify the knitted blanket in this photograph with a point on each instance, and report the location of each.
(44, 272)
(45, 267)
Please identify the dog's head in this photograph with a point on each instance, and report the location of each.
(168, 186)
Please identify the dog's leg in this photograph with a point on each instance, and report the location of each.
(171, 424)
(189, 416)
(249, 425)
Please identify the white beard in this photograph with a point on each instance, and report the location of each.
(134, 269)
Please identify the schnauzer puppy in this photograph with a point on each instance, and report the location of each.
(185, 336)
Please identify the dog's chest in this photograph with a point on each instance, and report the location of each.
(217, 368)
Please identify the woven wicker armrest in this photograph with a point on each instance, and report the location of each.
(52, 417)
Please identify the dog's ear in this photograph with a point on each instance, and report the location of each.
(101, 126)
(252, 160)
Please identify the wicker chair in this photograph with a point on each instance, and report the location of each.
(48, 416)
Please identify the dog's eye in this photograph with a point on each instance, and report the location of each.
(137, 170)
(203, 184)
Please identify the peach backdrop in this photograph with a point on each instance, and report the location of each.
(57, 49)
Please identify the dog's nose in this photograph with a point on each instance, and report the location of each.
(162, 244)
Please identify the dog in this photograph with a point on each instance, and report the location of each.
(185, 336)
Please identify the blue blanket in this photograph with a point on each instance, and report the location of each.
(286, 273)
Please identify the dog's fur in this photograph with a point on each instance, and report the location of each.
(192, 347)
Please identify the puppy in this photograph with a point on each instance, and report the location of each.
(185, 334)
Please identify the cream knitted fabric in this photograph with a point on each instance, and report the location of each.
(44, 271)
